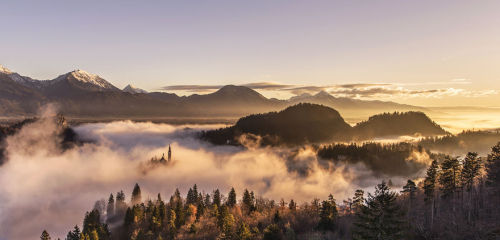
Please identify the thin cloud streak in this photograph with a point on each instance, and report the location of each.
(369, 91)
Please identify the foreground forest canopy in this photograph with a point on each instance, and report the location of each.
(312, 123)
(457, 199)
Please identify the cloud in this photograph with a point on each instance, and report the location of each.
(267, 86)
(368, 91)
(45, 188)
(362, 85)
(400, 92)
(207, 88)
(191, 88)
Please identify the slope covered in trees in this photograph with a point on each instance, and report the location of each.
(312, 123)
(457, 199)
(397, 124)
(6, 131)
(466, 141)
(401, 159)
(297, 124)
(67, 137)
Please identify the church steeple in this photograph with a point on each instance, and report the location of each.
(169, 153)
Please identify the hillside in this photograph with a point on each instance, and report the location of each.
(67, 137)
(313, 123)
(397, 124)
(297, 124)
(462, 143)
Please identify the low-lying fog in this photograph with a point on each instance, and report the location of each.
(43, 188)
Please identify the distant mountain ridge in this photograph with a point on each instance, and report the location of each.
(82, 94)
(313, 123)
(131, 89)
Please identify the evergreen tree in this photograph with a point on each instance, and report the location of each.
(110, 211)
(470, 170)
(45, 235)
(430, 181)
(207, 202)
(410, 189)
(358, 200)
(136, 195)
(277, 218)
(162, 209)
(179, 214)
(120, 205)
(282, 203)
(195, 195)
(129, 218)
(292, 205)
(190, 198)
(74, 235)
(217, 198)
(177, 195)
(493, 168)
(248, 202)
(328, 214)
(381, 217)
(92, 222)
(450, 176)
(231, 198)
(200, 208)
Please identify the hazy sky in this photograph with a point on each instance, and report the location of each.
(431, 52)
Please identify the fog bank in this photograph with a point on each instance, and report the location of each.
(45, 188)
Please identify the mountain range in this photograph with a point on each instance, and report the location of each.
(82, 94)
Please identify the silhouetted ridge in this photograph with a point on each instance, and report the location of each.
(86, 95)
(397, 124)
(237, 91)
(300, 123)
(313, 123)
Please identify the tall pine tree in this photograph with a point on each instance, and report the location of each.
(110, 210)
(231, 198)
(381, 218)
(493, 168)
(45, 235)
(328, 214)
(136, 195)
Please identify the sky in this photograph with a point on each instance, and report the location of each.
(429, 53)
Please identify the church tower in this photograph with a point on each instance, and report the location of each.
(169, 153)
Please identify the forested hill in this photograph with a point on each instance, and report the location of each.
(312, 123)
(300, 123)
(397, 124)
(67, 137)
(6, 131)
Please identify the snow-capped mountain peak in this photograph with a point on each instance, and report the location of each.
(131, 89)
(91, 79)
(4, 69)
(25, 81)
